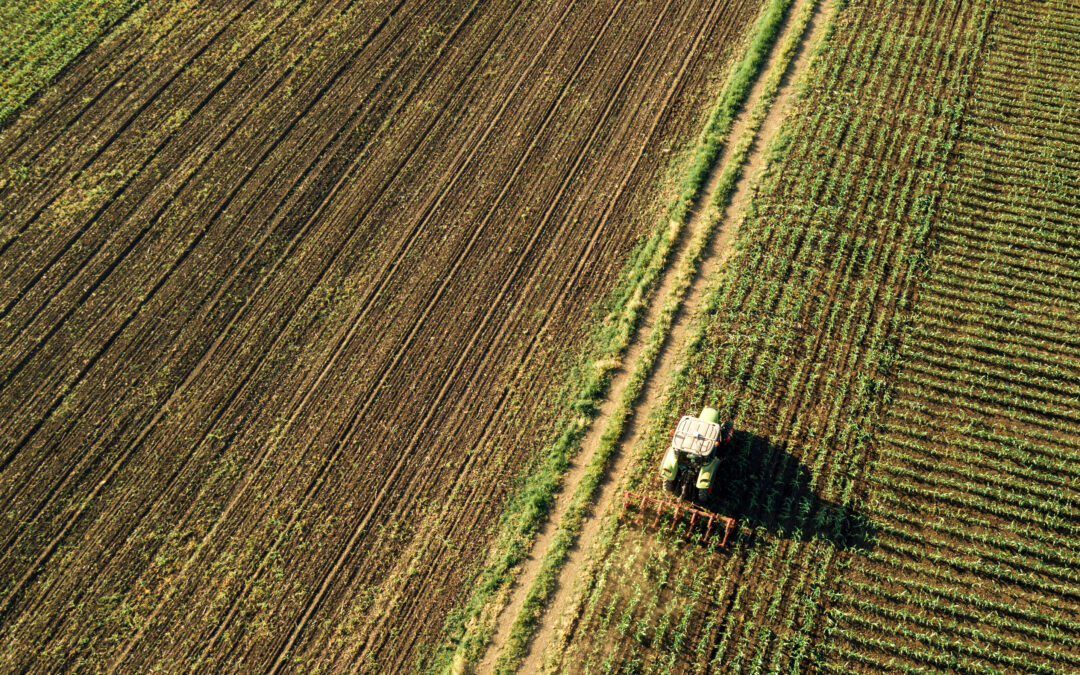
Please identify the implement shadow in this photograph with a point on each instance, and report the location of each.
(763, 485)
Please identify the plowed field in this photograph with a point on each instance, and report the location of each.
(287, 291)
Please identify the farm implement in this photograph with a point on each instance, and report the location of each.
(678, 509)
(689, 473)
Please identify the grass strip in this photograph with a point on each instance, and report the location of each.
(470, 628)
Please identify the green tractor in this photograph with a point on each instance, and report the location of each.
(690, 465)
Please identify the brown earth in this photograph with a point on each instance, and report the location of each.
(287, 290)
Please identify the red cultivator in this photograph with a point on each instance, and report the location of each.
(678, 508)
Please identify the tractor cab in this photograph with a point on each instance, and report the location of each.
(694, 456)
(695, 439)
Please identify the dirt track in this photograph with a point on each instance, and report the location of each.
(276, 283)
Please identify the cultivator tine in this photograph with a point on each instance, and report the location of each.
(675, 517)
(708, 530)
(730, 525)
(693, 520)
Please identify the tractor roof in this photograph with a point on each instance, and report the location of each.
(695, 436)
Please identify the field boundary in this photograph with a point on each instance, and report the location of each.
(528, 511)
(725, 197)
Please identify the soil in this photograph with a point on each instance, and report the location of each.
(287, 292)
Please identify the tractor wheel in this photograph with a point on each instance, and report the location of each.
(669, 486)
(704, 496)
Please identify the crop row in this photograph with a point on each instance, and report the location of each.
(974, 481)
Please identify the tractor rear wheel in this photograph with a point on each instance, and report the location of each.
(669, 486)
(704, 496)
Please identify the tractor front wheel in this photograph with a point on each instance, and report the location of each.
(669, 486)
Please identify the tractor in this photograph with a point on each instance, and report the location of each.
(689, 472)
(697, 447)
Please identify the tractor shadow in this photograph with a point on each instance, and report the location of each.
(765, 486)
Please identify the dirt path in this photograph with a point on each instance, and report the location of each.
(716, 254)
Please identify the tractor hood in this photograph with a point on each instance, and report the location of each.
(695, 437)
